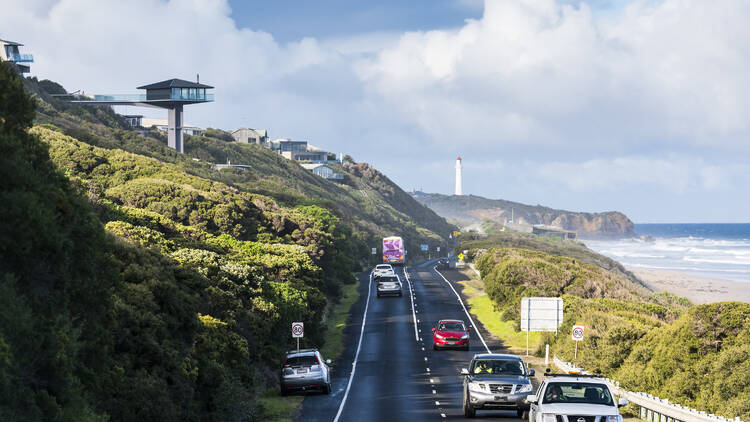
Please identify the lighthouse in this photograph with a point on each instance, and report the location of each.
(459, 191)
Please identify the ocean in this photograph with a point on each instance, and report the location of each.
(705, 250)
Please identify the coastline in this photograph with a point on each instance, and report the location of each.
(698, 290)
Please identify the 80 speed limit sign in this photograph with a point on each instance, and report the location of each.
(298, 329)
(577, 332)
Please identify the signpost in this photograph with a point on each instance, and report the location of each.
(577, 335)
(298, 331)
(540, 314)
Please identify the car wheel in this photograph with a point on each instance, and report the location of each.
(434, 347)
(466, 348)
(327, 389)
(378, 294)
(523, 414)
(469, 411)
(284, 391)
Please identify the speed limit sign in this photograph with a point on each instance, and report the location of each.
(577, 332)
(298, 329)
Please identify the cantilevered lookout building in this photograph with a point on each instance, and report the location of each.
(171, 94)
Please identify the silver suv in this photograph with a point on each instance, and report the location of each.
(496, 381)
(574, 398)
(389, 285)
(305, 370)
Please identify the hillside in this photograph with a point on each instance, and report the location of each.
(656, 343)
(472, 209)
(370, 203)
(140, 284)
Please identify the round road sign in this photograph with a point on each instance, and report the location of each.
(298, 329)
(577, 332)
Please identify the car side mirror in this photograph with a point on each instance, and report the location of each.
(464, 371)
(468, 329)
(622, 402)
(433, 330)
(328, 361)
(531, 372)
(531, 398)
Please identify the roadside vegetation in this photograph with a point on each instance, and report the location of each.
(139, 284)
(656, 343)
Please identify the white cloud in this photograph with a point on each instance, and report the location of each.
(549, 91)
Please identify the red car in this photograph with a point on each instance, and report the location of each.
(450, 333)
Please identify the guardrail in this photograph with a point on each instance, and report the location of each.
(651, 408)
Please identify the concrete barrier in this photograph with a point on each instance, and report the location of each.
(650, 408)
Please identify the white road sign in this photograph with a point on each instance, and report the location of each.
(577, 332)
(438, 248)
(298, 329)
(374, 251)
(541, 313)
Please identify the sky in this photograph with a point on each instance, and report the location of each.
(637, 106)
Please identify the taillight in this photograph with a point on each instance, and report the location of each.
(283, 365)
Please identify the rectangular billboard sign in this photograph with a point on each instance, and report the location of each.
(541, 313)
(425, 247)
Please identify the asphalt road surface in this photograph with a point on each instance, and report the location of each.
(397, 374)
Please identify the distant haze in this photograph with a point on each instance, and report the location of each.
(640, 107)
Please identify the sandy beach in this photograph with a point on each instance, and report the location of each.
(697, 289)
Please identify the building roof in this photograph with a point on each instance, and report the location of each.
(6, 42)
(174, 83)
(313, 166)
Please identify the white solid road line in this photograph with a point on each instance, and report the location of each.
(356, 355)
(411, 296)
(465, 311)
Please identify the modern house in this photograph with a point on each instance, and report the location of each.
(9, 53)
(323, 170)
(251, 136)
(298, 151)
(163, 125)
(133, 120)
(172, 94)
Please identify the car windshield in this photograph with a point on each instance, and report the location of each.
(304, 360)
(451, 326)
(383, 267)
(572, 392)
(498, 367)
(388, 279)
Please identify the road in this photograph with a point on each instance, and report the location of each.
(397, 375)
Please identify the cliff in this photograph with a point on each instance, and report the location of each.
(471, 209)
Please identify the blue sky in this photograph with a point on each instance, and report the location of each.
(639, 106)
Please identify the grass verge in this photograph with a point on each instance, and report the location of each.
(280, 409)
(336, 321)
(482, 307)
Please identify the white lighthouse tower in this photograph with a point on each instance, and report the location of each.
(459, 191)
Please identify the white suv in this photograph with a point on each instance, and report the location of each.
(382, 270)
(574, 398)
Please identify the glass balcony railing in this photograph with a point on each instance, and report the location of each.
(144, 98)
(22, 58)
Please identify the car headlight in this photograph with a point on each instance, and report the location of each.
(548, 417)
(464, 337)
(438, 335)
(525, 388)
(478, 387)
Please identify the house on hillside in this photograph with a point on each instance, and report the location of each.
(133, 120)
(250, 136)
(9, 52)
(298, 151)
(323, 170)
(163, 125)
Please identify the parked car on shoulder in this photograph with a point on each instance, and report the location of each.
(389, 285)
(574, 398)
(450, 333)
(382, 270)
(497, 382)
(442, 264)
(305, 370)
